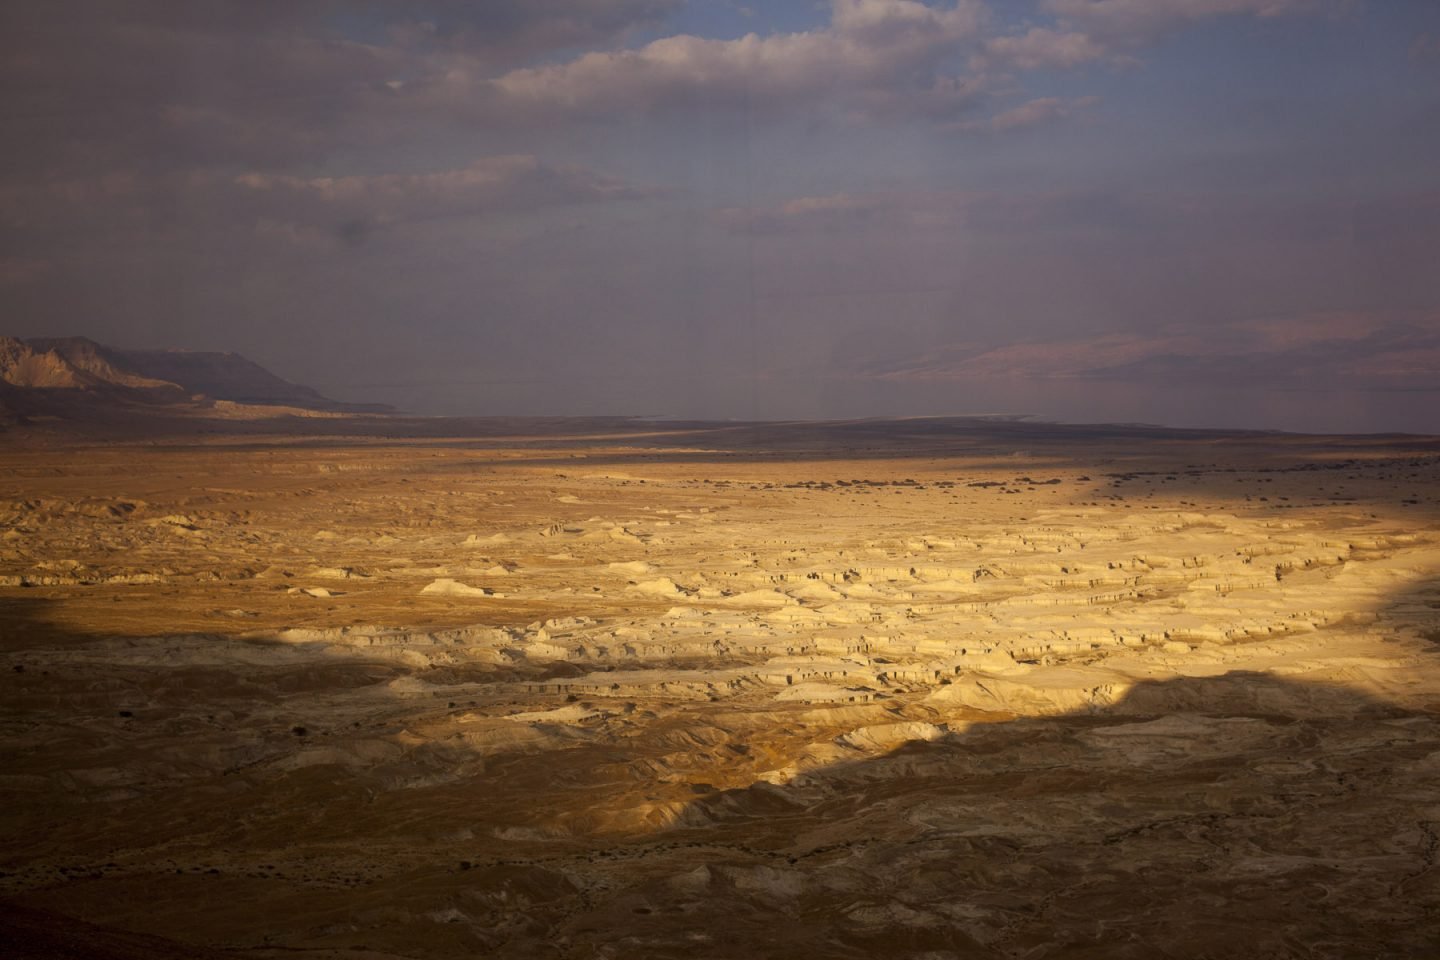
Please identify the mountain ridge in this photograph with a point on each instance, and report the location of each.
(65, 376)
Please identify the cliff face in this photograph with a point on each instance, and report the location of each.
(74, 362)
(62, 375)
(21, 366)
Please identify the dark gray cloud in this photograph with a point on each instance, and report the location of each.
(170, 85)
(489, 185)
(175, 84)
(203, 206)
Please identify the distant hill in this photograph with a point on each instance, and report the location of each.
(66, 376)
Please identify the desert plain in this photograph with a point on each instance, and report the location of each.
(609, 689)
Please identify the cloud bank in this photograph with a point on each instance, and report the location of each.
(1325, 351)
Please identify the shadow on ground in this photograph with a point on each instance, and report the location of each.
(1241, 815)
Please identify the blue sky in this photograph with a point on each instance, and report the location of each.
(1196, 212)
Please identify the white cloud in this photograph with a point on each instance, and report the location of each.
(1042, 48)
(873, 56)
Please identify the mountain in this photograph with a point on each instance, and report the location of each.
(224, 376)
(70, 363)
(68, 376)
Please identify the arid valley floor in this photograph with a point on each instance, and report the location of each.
(578, 689)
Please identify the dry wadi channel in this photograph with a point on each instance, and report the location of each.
(804, 691)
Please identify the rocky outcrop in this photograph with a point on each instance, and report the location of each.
(68, 375)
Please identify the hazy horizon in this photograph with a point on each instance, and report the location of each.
(1195, 213)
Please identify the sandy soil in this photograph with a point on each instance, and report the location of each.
(603, 689)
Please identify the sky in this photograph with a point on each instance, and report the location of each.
(1219, 213)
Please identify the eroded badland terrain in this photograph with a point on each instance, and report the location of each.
(927, 689)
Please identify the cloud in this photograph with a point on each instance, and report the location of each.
(1316, 351)
(995, 212)
(17, 270)
(1039, 111)
(1131, 22)
(512, 31)
(489, 185)
(163, 84)
(874, 57)
(155, 86)
(1108, 31)
(507, 29)
(1041, 48)
(200, 207)
(844, 212)
(1425, 47)
(806, 214)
